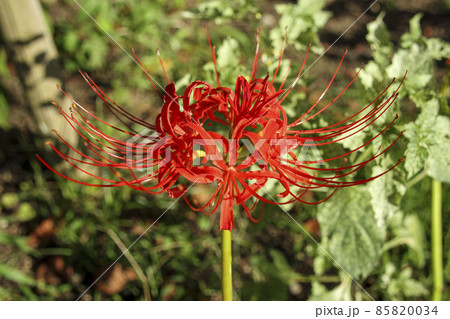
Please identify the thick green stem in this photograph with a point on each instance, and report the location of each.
(227, 286)
(436, 239)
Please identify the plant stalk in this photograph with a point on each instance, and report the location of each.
(227, 287)
(436, 239)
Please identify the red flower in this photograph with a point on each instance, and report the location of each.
(254, 116)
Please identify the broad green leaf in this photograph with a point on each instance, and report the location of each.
(183, 82)
(414, 26)
(228, 54)
(417, 62)
(421, 135)
(370, 75)
(309, 7)
(340, 293)
(223, 11)
(303, 20)
(429, 141)
(71, 41)
(438, 48)
(399, 284)
(380, 189)
(408, 230)
(415, 158)
(416, 234)
(438, 163)
(354, 141)
(412, 287)
(415, 32)
(353, 237)
(380, 40)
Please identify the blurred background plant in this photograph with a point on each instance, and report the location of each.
(57, 237)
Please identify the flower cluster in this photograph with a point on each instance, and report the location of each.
(261, 144)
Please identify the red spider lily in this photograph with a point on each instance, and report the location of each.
(256, 121)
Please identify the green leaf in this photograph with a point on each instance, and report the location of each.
(438, 163)
(417, 61)
(282, 268)
(408, 230)
(96, 48)
(370, 75)
(429, 141)
(351, 233)
(400, 284)
(380, 40)
(413, 230)
(228, 54)
(415, 32)
(354, 141)
(380, 189)
(421, 135)
(415, 159)
(321, 263)
(70, 41)
(303, 20)
(279, 268)
(438, 48)
(340, 293)
(13, 274)
(223, 11)
(20, 242)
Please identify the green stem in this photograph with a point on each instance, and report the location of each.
(416, 179)
(436, 239)
(227, 287)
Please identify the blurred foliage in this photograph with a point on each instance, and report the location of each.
(303, 22)
(4, 108)
(377, 232)
(394, 215)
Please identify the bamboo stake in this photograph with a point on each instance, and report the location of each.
(31, 47)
